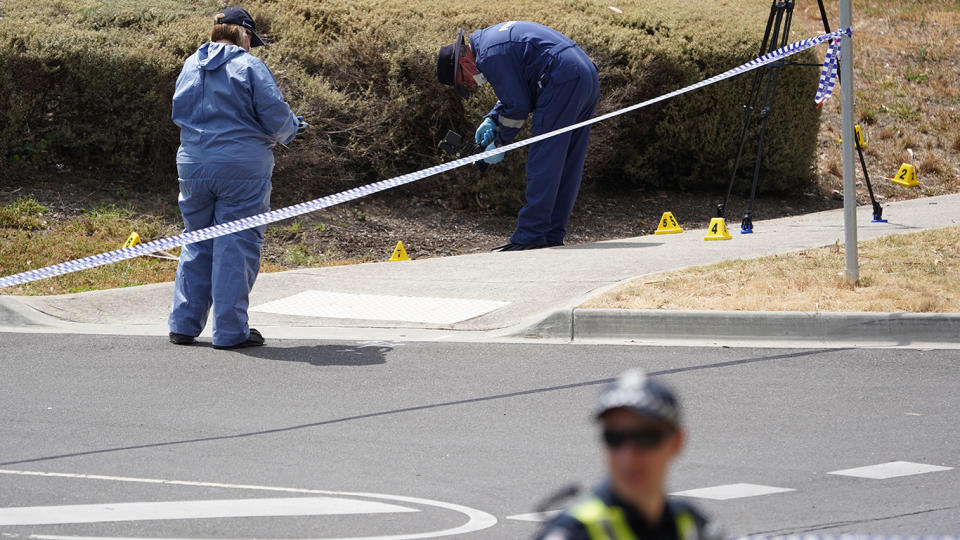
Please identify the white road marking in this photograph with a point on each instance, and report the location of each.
(380, 307)
(731, 491)
(229, 508)
(536, 516)
(478, 520)
(892, 469)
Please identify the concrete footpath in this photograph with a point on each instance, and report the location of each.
(529, 295)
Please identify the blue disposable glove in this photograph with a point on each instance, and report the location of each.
(486, 132)
(302, 125)
(493, 160)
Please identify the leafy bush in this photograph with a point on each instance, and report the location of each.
(89, 84)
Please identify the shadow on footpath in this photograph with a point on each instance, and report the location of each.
(610, 245)
(719, 365)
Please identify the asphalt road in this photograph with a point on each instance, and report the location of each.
(418, 440)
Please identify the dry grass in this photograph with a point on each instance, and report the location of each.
(34, 243)
(29, 241)
(918, 272)
(906, 61)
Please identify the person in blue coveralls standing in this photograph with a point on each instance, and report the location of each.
(231, 114)
(532, 68)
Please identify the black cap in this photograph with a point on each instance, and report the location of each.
(448, 64)
(240, 17)
(636, 392)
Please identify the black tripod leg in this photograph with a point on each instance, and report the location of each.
(877, 209)
(823, 17)
(749, 107)
(747, 117)
(746, 225)
(784, 16)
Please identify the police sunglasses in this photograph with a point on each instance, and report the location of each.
(643, 439)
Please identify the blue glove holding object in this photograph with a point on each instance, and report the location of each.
(302, 125)
(493, 160)
(486, 132)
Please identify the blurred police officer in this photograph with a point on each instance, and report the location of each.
(642, 433)
(231, 114)
(532, 69)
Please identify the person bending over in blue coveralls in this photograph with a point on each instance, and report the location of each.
(532, 68)
(642, 434)
(231, 114)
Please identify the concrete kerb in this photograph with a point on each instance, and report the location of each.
(770, 328)
(15, 314)
(891, 329)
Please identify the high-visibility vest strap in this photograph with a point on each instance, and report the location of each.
(605, 522)
(601, 521)
(686, 526)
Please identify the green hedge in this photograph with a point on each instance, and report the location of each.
(87, 84)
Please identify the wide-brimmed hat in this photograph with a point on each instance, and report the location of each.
(448, 64)
(240, 17)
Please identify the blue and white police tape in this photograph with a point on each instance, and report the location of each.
(828, 75)
(224, 229)
(845, 537)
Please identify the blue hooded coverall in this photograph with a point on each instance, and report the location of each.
(533, 68)
(231, 114)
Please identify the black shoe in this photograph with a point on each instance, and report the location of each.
(555, 244)
(181, 339)
(254, 340)
(510, 246)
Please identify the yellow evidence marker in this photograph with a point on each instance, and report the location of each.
(399, 253)
(906, 176)
(859, 136)
(668, 224)
(132, 240)
(718, 230)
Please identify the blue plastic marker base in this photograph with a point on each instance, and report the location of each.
(875, 220)
(746, 231)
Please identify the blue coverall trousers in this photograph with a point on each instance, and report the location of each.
(221, 271)
(555, 165)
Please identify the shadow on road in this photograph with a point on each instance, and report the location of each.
(266, 351)
(321, 355)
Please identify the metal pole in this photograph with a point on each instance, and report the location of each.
(849, 177)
